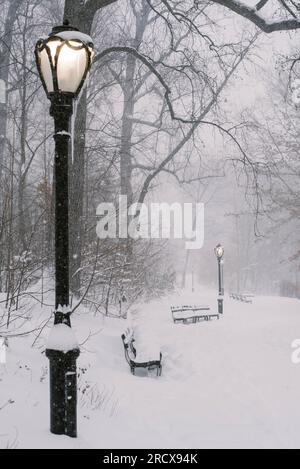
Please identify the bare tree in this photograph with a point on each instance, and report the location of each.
(5, 51)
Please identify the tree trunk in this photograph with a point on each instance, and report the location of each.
(127, 130)
(4, 73)
(83, 20)
(127, 127)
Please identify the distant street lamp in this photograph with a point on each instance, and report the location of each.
(219, 252)
(63, 61)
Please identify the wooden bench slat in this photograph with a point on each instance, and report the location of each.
(188, 314)
(244, 297)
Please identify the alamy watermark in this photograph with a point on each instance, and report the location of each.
(154, 221)
(296, 353)
(296, 92)
(2, 92)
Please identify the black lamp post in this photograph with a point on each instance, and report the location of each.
(63, 61)
(219, 252)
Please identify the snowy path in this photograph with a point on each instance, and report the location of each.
(228, 383)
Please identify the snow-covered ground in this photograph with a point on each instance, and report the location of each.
(225, 384)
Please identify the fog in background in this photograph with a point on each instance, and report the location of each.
(196, 114)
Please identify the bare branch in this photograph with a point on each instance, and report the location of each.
(261, 4)
(252, 15)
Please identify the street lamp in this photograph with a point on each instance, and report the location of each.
(219, 252)
(63, 60)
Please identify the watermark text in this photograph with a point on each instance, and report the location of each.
(156, 221)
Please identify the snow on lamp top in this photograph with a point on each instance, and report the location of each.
(64, 60)
(219, 251)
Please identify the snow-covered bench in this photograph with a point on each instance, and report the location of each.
(192, 314)
(244, 297)
(142, 355)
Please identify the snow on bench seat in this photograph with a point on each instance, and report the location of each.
(147, 348)
(141, 346)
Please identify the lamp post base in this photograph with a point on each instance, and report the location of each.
(220, 305)
(63, 391)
